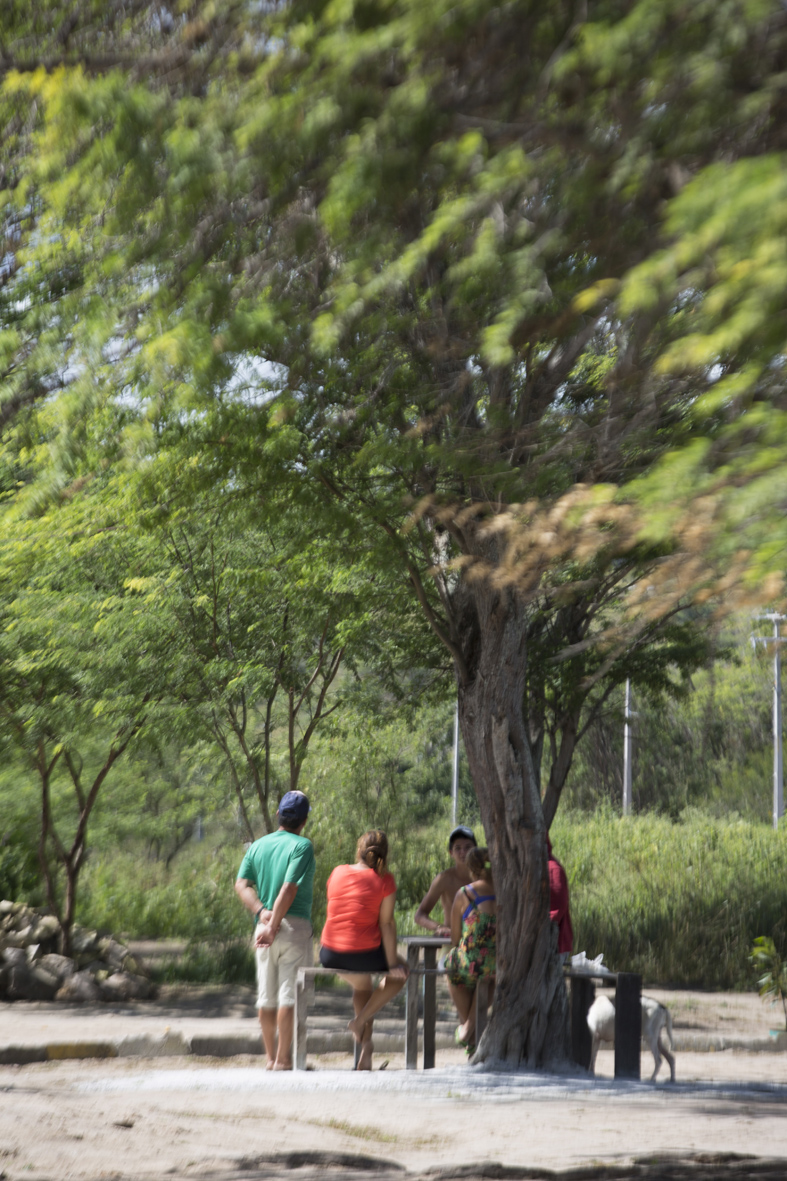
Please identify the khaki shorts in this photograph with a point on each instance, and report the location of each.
(277, 965)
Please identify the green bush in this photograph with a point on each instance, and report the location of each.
(680, 902)
(229, 962)
(192, 899)
(20, 872)
(771, 967)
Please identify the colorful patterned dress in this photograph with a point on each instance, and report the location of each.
(474, 955)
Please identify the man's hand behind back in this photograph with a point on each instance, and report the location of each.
(265, 932)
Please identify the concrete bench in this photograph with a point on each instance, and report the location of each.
(304, 993)
(628, 1017)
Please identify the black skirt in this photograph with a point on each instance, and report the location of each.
(354, 961)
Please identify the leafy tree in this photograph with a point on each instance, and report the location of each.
(270, 632)
(77, 681)
(709, 747)
(385, 252)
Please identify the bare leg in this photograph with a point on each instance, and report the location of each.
(285, 1020)
(462, 998)
(268, 1027)
(361, 984)
(387, 989)
(361, 997)
(466, 1030)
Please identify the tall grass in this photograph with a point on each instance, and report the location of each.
(195, 899)
(679, 901)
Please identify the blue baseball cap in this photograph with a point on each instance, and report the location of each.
(293, 807)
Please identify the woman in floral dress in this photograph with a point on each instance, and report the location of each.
(473, 931)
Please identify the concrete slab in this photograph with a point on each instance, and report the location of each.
(222, 1022)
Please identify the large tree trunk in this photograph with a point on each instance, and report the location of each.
(529, 1025)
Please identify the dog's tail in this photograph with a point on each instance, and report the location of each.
(668, 1023)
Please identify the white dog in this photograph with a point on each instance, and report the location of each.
(655, 1017)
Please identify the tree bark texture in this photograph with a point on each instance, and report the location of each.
(529, 1024)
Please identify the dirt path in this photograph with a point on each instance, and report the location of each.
(123, 1118)
(196, 1117)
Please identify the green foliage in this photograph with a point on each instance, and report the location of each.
(77, 673)
(191, 899)
(20, 872)
(420, 272)
(772, 982)
(212, 962)
(388, 773)
(188, 898)
(709, 746)
(680, 902)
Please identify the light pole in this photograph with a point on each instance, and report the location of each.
(455, 772)
(778, 764)
(628, 715)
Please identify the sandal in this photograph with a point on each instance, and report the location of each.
(464, 1043)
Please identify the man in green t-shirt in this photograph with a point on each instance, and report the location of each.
(275, 884)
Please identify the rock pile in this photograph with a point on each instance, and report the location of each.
(98, 969)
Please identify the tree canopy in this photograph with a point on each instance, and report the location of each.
(502, 283)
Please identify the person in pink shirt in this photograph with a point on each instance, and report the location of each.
(558, 905)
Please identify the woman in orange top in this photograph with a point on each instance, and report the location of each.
(359, 936)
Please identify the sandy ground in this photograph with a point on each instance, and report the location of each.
(138, 1118)
(185, 1117)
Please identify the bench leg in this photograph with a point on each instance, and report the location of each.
(411, 1012)
(304, 990)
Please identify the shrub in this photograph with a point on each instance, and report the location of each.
(766, 958)
(680, 902)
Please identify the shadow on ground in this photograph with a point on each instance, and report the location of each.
(323, 1166)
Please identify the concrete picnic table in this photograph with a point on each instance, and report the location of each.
(428, 945)
(422, 962)
(628, 1014)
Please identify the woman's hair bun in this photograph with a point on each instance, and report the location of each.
(373, 850)
(478, 862)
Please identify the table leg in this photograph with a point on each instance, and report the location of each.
(628, 1024)
(583, 993)
(430, 1008)
(411, 1012)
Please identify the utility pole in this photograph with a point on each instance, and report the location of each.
(628, 715)
(455, 772)
(778, 763)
